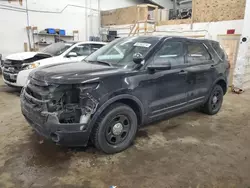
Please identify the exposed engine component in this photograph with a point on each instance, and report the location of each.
(70, 103)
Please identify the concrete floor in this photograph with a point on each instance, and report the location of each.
(191, 150)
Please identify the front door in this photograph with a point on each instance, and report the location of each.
(168, 87)
(201, 72)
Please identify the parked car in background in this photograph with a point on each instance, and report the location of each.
(17, 67)
(129, 82)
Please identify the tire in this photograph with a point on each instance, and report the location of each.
(115, 129)
(214, 102)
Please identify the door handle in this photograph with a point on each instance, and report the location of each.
(182, 72)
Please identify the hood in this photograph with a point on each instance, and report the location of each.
(73, 73)
(25, 55)
(50, 60)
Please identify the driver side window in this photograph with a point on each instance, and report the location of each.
(170, 52)
(82, 50)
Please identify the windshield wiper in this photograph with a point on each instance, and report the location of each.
(101, 62)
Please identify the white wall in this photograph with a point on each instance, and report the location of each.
(13, 33)
(114, 4)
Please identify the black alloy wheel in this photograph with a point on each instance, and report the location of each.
(118, 129)
(214, 102)
(115, 129)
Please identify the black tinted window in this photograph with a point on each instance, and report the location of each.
(217, 47)
(197, 52)
(171, 52)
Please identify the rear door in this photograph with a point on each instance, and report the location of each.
(201, 71)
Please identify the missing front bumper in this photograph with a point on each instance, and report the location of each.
(47, 126)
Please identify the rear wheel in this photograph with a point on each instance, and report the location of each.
(214, 102)
(115, 129)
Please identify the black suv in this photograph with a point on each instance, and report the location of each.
(130, 82)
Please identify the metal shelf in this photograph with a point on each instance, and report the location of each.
(46, 34)
(43, 44)
(36, 36)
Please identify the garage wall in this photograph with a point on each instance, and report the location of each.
(214, 10)
(66, 14)
(210, 29)
(70, 15)
(113, 4)
(12, 32)
(246, 77)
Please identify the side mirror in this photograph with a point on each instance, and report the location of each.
(137, 58)
(162, 66)
(72, 54)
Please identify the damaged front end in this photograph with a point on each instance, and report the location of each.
(60, 112)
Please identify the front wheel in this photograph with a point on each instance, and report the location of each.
(115, 129)
(214, 102)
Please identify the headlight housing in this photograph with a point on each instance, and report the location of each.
(31, 66)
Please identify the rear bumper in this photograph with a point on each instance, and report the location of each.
(48, 126)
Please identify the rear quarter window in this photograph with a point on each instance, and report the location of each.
(218, 48)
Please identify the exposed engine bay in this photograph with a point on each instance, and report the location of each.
(37, 57)
(15, 66)
(67, 103)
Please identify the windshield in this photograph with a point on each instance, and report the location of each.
(120, 52)
(57, 48)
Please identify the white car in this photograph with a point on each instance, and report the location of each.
(17, 67)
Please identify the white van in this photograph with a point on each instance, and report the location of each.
(16, 67)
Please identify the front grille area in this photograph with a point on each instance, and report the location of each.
(40, 90)
(62, 100)
(34, 105)
(34, 110)
(36, 94)
(9, 77)
(12, 66)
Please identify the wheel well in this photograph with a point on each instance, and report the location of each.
(132, 104)
(223, 84)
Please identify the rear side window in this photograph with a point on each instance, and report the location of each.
(171, 52)
(217, 47)
(197, 53)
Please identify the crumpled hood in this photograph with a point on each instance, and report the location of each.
(23, 55)
(74, 72)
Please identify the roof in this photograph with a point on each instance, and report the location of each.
(176, 37)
